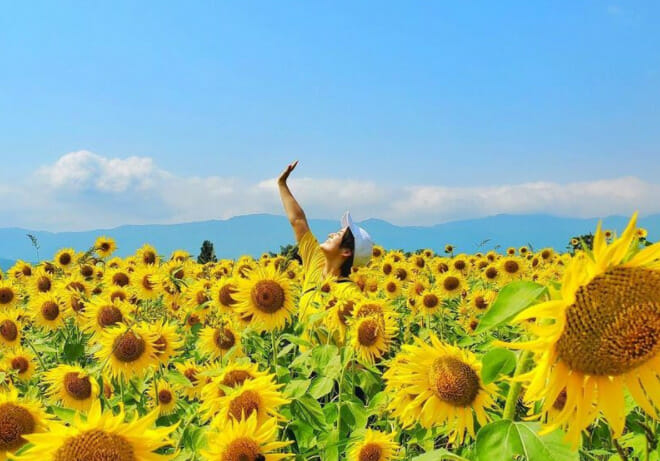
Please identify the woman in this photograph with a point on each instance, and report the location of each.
(333, 259)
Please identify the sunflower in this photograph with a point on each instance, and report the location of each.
(375, 446)
(222, 294)
(42, 281)
(220, 340)
(340, 309)
(100, 436)
(231, 376)
(429, 302)
(9, 295)
(167, 341)
(392, 287)
(512, 267)
(147, 283)
(265, 296)
(10, 329)
(21, 270)
(244, 440)
(492, 274)
(599, 336)
(47, 310)
(72, 387)
(147, 255)
(260, 396)
(18, 417)
(163, 397)
(118, 277)
(20, 363)
(102, 313)
(128, 351)
(372, 336)
(438, 385)
(641, 233)
(192, 371)
(449, 249)
(451, 283)
(65, 258)
(104, 246)
(480, 300)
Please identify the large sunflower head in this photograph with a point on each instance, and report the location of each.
(65, 258)
(129, 350)
(375, 446)
(100, 436)
(245, 440)
(601, 334)
(10, 295)
(266, 297)
(147, 283)
(10, 329)
(72, 387)
(223, 294)
(372, 336)
(19, 417)
(47, 310)
(218, 341)
(443, 388)
(101, 313)
(167, 341)
(20, 363)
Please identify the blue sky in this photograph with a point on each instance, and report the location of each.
(405, 97)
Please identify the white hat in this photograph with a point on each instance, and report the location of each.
(363, 242)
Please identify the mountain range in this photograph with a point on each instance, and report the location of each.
(257, 233)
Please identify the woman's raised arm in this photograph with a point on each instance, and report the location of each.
(293, 210)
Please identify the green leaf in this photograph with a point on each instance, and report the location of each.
(511, 440)
(497, 362)
(73, 352)
(511, 300)
(174, 377)
(326, 361)
(321, 386)
(65, 414)
(440, 454)
(296, 388)
(309, 410)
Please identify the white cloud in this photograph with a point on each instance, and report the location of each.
(84, 190)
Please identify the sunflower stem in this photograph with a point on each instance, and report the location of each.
(524, 362)
(29, 343)
(274, 341)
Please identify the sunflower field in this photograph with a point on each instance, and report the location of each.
(520, 355)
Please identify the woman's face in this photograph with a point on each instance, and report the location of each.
(331, 246)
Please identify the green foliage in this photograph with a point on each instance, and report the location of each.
(207, 253)
(511, 300)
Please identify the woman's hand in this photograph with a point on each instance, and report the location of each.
(287, 171)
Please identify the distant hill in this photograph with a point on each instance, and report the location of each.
(258, 233)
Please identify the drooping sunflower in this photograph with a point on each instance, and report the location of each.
(100, 436)
(375, 446)
(129, 351)
(245, 439)
(47, 310)
(372, 336)
(18, 417)
(167, 341)
(163, 397)
(222, 294)
(102, 313)
(220, 340)
(260, 396)
(599, 336)
(266, 297)
(438, 385)
(10, 329)
(72, 387)
(9, 295)
(105, 246)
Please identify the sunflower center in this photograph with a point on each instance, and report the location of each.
(76, 286)
(268, 296)
(244, 405)
(105, 246)
(149, 257)
(191, 374)
(87, 271)
(370, 452)
(20, 364)
(109, 315)
(480, 302)
(202, 298)
(164, 396)
(50, 310)
(451, 283)
(391, 287)
(65, 259)
(120, 279)
(128, 347)
(368, 332)
(454, 381)
(147, 283)
(236, 378)
(430, 301)
(6, 295)
(76, 387)
(491, 273)
(243, 449)
(15, 421)
(401, 273)
(160, 344)
(95, 445)
(9, 330)
(614, 324)
(511, 267)
(224, 338)
(43, 284)
(27, 271)
(459, 264)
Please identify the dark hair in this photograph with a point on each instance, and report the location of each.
(347, 241)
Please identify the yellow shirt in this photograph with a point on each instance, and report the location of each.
(313, 261)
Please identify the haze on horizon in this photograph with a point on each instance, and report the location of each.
(416, 113)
